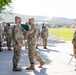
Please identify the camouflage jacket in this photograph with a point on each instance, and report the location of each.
(44, 33)
(7, 31)
(17, 34)
(32, 35)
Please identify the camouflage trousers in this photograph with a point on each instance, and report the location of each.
(44, 42)
(74, 48)
(33, 54)
(8, 39)
(17, 54)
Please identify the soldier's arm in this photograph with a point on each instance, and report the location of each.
(31, 31)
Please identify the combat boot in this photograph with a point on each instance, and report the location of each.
(17, 69)
(41, 64)
(45, 47)
(30, 68)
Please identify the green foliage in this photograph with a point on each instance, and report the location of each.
(4, 3)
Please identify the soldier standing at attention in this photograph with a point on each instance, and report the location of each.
(44, 35)
(18, 37)
(32, 42)
(8, 31)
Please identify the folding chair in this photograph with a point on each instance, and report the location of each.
(71, 58)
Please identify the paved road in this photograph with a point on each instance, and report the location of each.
(56, 57)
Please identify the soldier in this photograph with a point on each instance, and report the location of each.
(18, 37)
(8, 31)
(74, 44)
(32, 39)
(44, 35)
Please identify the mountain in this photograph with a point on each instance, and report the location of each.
(10, 17)
(59, 21)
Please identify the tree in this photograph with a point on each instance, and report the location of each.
(4, 3)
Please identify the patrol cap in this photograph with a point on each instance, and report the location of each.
(17, 17)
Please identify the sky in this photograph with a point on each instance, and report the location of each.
(49, 8)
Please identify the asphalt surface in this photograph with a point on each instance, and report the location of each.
(56, 56)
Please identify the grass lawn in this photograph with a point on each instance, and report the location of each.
(64, 33)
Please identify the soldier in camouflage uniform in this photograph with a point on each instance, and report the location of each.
(44, 35)
(8, 31)
(18, 37)
(32, 42)
(74, 44)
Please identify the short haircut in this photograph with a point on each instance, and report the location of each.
(31, 19)
(17, 17)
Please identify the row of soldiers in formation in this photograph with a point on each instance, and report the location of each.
(32, 35)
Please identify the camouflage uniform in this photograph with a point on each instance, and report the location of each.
(8, 31)
(17, 36)
(44, 35)
(32, 42)
(38, 35)
(74, 44)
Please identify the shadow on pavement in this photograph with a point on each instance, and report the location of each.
(42, 72)
(48, 50)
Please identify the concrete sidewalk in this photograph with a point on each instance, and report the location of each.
(56, 57)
